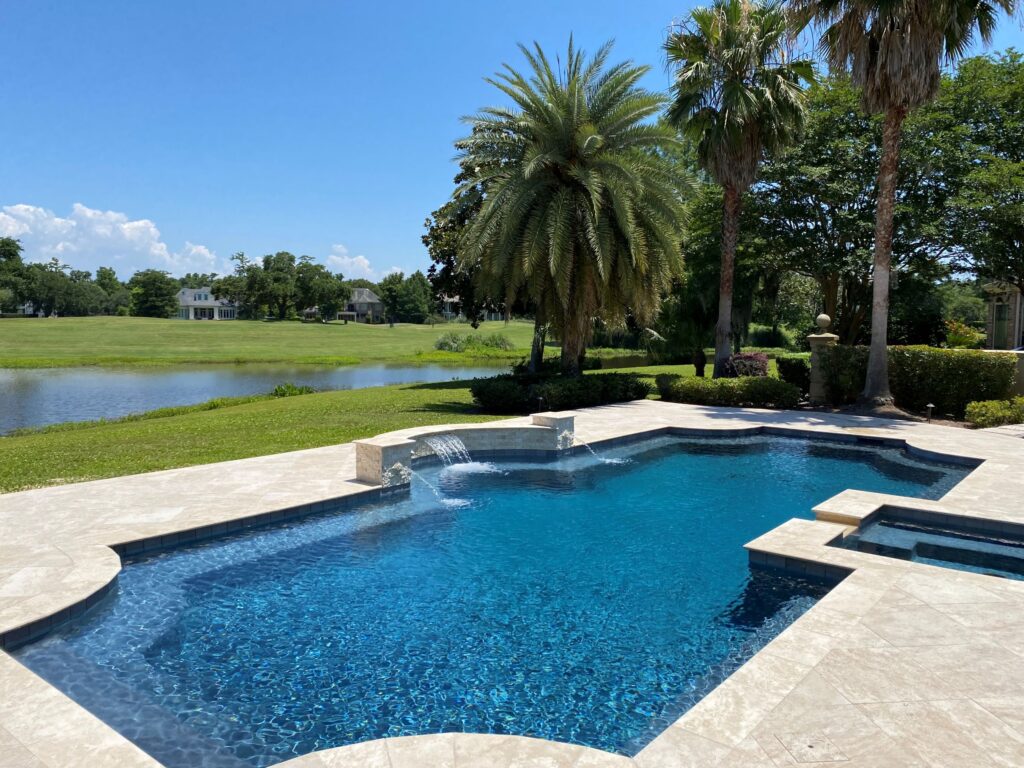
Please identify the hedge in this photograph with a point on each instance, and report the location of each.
(744, 392)
(995, 413)
(511, 393)
(947, 378)
(765, 336)
(795, 370)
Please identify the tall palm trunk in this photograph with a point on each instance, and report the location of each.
(540, 330)
(573, 345)
(575, 328)
(730, 232)
(876, 387)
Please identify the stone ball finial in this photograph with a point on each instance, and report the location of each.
(823, 321)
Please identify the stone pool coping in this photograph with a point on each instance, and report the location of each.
(902, 664)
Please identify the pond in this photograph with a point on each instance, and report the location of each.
(37, 397)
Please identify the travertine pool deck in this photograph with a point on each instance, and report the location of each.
(902, 664)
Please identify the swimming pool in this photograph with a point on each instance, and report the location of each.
(577, 600)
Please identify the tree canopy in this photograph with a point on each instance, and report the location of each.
(581, 209)
(737, 97)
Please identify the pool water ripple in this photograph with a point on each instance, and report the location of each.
(578, 601)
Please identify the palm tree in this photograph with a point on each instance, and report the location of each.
(894, 50)
(582, 209)
(737, 97)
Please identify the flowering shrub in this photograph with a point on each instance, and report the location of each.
(962, 336)
(748, 364)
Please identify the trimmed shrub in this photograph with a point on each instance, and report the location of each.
(795, 370)
(560, 393)
(764, 336)
(947, 378)
(770, 352)
(511, 393)
(452, 341)
(748, 364)
(494, 341)
(995, 413)
(552, 366)
(744, 392)
(505, 393)
(844, 369)
(290, 390)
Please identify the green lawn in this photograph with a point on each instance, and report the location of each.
(252, 427)
(71, 341)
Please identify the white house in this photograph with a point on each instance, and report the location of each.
(201, 304)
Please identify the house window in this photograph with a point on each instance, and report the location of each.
(226, 313)
(183, 313)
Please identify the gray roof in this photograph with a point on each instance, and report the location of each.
(364, 296)
(186, 298)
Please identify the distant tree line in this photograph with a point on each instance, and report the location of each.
(54, 288)
(280, 285)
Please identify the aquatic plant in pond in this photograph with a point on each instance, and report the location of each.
(573, 600)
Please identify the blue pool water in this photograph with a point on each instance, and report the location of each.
(580, 601)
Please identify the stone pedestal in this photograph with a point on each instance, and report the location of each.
(384, 461)
(562, 422)
(819, 343)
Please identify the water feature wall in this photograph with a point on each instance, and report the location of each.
(449, 449)
(387, 460)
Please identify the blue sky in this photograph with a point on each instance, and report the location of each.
(172, 134)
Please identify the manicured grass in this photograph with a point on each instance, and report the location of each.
(234, 430)
(72, 341)
(257, 428)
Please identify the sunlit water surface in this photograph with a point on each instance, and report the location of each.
(579, 601)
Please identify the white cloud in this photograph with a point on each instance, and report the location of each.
(355, 266)
(89, 238)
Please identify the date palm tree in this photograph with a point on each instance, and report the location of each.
(894, 50)
(738, 96)
(582, 208)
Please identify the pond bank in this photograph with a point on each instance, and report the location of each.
(39, 397)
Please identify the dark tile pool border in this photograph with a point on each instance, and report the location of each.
(975, 526)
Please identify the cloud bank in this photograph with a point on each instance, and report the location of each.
(355, 266)
(89, 238)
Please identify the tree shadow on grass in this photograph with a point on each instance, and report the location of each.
(448, 406)
(442, 385)
(462, 409)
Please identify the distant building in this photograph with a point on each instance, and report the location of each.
(451, 307)
(364, 306)
(201, 304)
(1005, 317)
